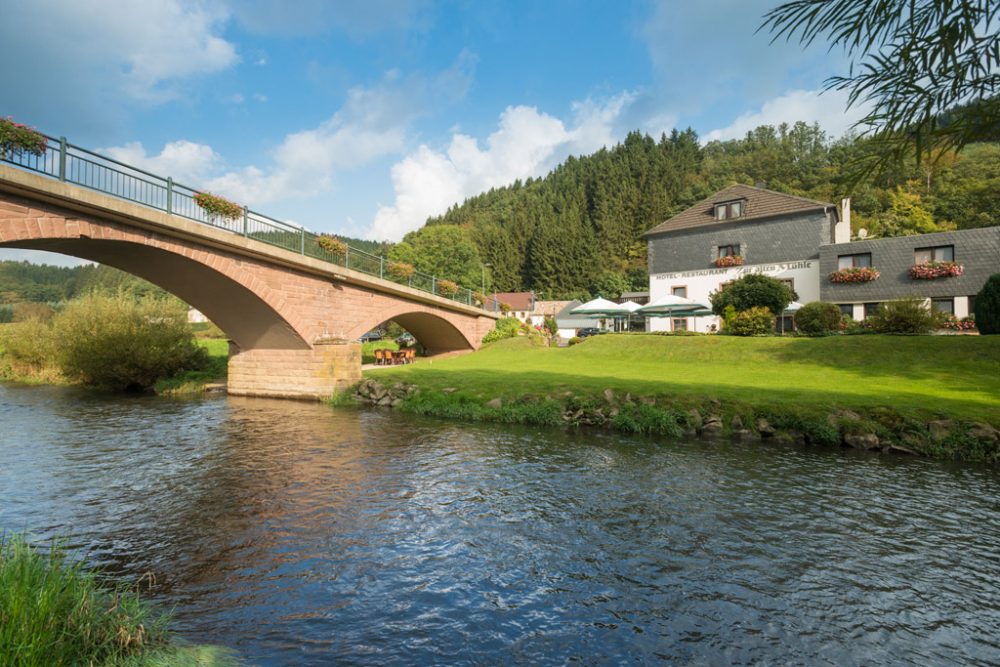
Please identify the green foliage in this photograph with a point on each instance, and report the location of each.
(118, 343)
(988, 306)
(27, 311)
(42, 283)
(6, 314)
(908, 316)
(907, 215)
(506, 327)
(756, 321)
(444, 251)
(753, 291)
(912, 63)
(56, 613)
(610, 284)
(817, 318)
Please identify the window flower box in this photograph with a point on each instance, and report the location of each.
(858, 274)
(729, 260)
(933, 270)
(16, 138)
(218, 207)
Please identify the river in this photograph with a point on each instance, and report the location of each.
(298, 534)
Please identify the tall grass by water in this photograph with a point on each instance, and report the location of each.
(56, 612)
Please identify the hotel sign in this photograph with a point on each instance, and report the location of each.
(739, 271)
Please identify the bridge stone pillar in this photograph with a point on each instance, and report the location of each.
(304, 374)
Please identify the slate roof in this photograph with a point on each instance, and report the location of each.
(759, 203)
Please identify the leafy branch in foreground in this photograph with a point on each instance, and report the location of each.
(929, 70)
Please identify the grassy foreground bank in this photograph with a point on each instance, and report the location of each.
(892, 387)
(54, 612)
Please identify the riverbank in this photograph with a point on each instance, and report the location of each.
(929, 395)
(35, 366)
(56, 612)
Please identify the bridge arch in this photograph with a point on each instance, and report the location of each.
(432, 328)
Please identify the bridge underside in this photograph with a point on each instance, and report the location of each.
(291, 319)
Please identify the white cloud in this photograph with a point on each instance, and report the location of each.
(828, 109)
(137, 47)
(185, 161)
(526, 143)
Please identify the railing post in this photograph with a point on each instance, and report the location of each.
(434, 282)
(246, 215)
(381, 267)
(347, 256)
(302, 244)
(62, 159)
(170, 195)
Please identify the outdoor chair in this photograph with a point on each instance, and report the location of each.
(379, 357)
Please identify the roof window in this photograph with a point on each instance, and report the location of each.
(729, 209)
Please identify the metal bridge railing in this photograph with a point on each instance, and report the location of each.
(72, 164)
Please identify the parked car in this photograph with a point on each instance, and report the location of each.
(405, 339)
(371, 336)
(588, 331)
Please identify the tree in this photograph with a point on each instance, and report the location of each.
(928, 69)
(753, 291)
(988, 306)
(443, 251)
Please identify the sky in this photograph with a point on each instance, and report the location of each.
(364, 117)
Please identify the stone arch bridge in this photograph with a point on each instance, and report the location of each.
(293, 320)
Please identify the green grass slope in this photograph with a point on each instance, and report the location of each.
(953, 376)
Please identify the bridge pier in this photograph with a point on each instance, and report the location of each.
(312, 374)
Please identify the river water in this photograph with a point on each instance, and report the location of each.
(302, 535)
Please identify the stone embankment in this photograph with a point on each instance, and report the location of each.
(876, 430)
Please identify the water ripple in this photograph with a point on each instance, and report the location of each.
(305, 536)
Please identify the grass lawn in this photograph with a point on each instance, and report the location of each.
(954, 376)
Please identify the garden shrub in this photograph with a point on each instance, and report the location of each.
(988, 306)
(909, 315)
(116, 342)
(6, 314)
(756, 321)
(753, 291)
(818, 317)
(30, 310)
(506, 327)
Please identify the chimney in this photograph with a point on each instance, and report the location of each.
(842, 230)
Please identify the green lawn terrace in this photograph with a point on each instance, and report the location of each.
(922, 377)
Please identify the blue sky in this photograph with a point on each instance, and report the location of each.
(364, 117)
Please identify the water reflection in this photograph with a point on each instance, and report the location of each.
(302, 535)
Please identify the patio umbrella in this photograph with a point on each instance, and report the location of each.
(671, 305)
(602, 308)
(599, 307)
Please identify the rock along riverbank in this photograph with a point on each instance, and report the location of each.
(879, 429)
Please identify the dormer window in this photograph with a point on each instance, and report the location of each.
(729, 209)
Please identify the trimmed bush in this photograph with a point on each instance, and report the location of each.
(506, 327)
(817, 318)
(909, 315)
(988, 306)
(753, 291)
(117, 343)
(756, 321)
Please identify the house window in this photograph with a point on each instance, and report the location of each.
(681, 291)
(846, 309)
(787, 282)
(941, 253)
(972, 304)
(729, 209)
(726, 284)
(870, 309)
(729, 250)
(943, 306)
(854, 261)
(680, 324)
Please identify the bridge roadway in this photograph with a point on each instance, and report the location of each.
(293, 321)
